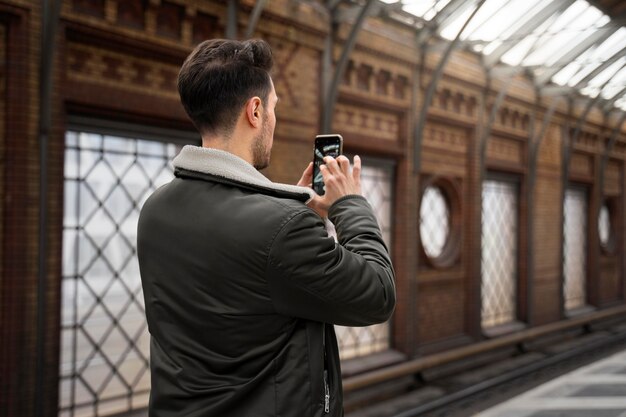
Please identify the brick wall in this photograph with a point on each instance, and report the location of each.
(118, 61)
(20, 191)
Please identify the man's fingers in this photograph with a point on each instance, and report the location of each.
(356, 170)
(307, 176)
(332, 165)
(326, 173)
(344, 165)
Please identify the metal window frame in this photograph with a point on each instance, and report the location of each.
(587, 189)
(516, 181)
(132, 131)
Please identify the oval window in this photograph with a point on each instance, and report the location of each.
(604, 225)
(440, 222)
(434, 221)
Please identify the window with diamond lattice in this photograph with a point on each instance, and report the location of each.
(434, 221)
(377, 186)
(575, 248)
(604, 225)
(104, 341)
(499, 253)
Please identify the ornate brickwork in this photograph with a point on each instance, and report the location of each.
(513, 117)
(106, 67)
(581, 164)
(368, 78)
(613, 178)
(587, 141)
(296, 79)
(169, 20)
(204, 26)
(505, 150)
(447, 138)
(550, 151)
(456, 101)
(131, 13)
(179, 21)
(359, 120)
(89, 7)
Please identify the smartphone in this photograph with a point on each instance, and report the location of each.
(325, 145)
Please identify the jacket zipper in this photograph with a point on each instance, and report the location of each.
(326, 387)
(326, 393)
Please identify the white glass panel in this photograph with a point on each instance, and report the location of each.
(88, 141)
(527, 42)
(575, 248)
(616, 85)
(596, 56)
(499, 253)
(604, 225)
(497, 19)
(71, 163)
(103, 322)
(574, 25)
(451, 30)
(122, 145)
(434, 221)
(426, 9)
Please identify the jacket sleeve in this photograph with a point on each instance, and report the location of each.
(312, 277)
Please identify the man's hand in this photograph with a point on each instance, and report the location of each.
(339, 180)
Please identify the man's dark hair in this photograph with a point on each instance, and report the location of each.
(219, 76)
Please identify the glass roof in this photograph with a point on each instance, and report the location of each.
(567, 45)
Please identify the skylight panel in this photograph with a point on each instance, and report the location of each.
(595, 57)
(612, 45)
(564, 76)
(426, 9)
(451, 30)
(576, 23)
(499, 18)
(607, 74)
(520, 50)
(570, 43)
(616, 85)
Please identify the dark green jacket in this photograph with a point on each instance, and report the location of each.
(239, 278)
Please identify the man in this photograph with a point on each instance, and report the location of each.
(241, 282)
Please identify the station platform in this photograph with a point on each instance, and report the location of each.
(594, 390)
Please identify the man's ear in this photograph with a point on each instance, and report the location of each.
(253, 111)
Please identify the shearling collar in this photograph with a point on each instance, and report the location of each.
(223, 164)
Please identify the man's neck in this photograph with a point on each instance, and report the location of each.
(234, 146)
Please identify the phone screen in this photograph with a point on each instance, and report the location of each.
(325, 145)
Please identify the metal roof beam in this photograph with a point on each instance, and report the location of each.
(502, 71)
(351, 14)
(254, 18)
(529, 24)
(420, 122)
(330, 95)
(232, 9)
(595, 38)
(605, 64)
(450, 11)
(610, 102)
(332, 4)
(556, 90)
